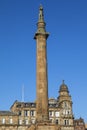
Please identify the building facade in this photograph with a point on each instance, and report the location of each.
(44, 114)
(79, 124)
(23, 114)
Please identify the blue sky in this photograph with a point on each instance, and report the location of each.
(66, 21)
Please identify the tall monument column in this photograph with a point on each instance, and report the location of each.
(42, 80)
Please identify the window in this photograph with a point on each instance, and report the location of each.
(64, 112)
(50, 113)
(19, 105)
(68, 112)
(20, 113)
(26, 122)
(3, 121)
(32, 112)
(51, 120)
(66, 122)
(11, 121)
(26, 113)
(20, 122)
(56, 121)
(65, 104)
(33, 121)
(57, 114)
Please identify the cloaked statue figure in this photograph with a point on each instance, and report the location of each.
(41, 16)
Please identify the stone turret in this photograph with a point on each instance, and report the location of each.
(65, 105)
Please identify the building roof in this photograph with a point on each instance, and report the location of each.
(7, 113)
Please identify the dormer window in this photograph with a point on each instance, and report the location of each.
(20, 113)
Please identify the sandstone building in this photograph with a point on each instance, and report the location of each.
(79, 124)
(44, 114)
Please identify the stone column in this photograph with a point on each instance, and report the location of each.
(42, 80)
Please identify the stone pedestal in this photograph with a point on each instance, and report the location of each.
(45, 126)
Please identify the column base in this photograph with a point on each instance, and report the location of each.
(44, 126)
